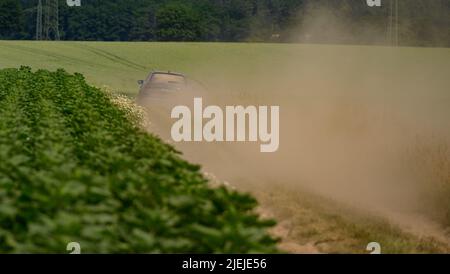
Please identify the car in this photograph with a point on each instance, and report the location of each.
(159, 85)
(161, 92)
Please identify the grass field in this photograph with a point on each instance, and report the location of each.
(350, 120)
(120, 65)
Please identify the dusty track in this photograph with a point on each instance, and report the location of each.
(348, 144)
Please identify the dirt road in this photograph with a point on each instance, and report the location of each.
(355, 141)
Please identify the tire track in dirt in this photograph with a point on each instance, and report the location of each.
(114, 58)
(51, 54)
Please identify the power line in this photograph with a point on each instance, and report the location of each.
(396, 23)
(393, 23)
(39, 21)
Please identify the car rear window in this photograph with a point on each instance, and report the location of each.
(160, 78)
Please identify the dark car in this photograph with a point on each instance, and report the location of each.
(161, 92)
(159, 85)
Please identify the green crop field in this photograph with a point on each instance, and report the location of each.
(120, 65)
(75, 167)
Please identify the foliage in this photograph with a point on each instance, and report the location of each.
(422, 23)
(11, 19)
(177, 23)
(74, 168)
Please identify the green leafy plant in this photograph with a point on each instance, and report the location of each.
(73, 167)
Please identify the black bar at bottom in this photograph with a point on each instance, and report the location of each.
(223, 263)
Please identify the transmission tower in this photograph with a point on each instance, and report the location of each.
(393, 22)
(396, 23)
(47, 22)
(39, 21)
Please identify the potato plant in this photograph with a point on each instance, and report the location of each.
(74, 168)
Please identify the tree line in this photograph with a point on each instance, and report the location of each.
(420, 22)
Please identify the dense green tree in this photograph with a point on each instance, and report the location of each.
(11, 19)
(422, 23)
(177, 22)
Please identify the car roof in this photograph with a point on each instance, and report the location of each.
(168, 72)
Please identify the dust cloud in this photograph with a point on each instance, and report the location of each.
(350, 120)
(336, 23)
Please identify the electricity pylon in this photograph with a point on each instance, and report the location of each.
(39, 21)
(47, 20)
(393, 22)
